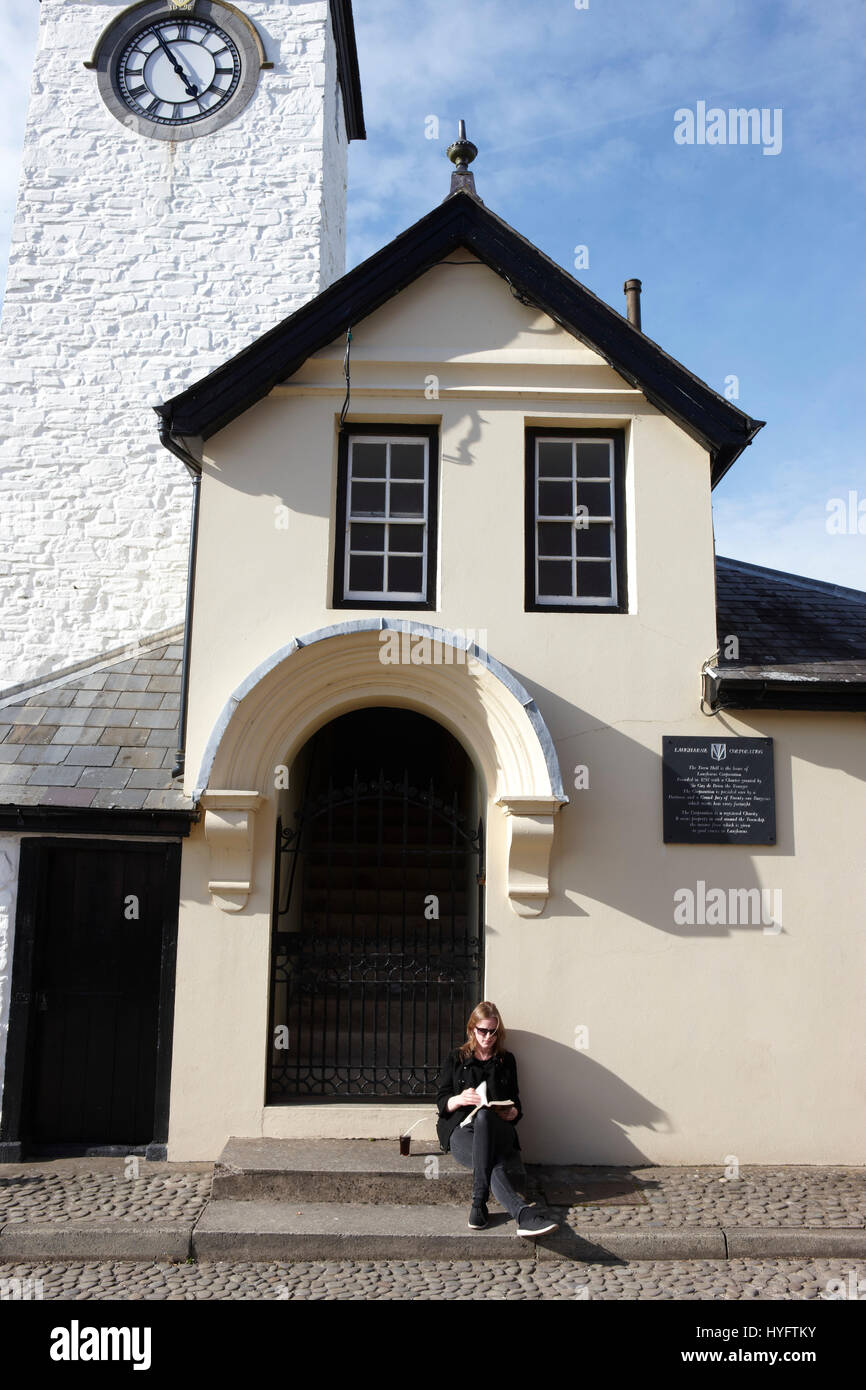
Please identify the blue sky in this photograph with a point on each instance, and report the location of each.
(752, 263)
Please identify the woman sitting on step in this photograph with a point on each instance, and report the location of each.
(489, 1139)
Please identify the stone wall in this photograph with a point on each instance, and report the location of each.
(137, 266)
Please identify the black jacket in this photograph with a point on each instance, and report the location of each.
(456, 1075)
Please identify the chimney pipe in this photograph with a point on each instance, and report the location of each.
(632, 299)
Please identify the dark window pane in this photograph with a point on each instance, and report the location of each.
(365, 572)
(407, 460)
(404, 574)
(368, 499)
(594, 540)
(593, 581)
(554, 538)
(593, 460)
(555, 499)
(595, 496)
(406, 538)
(554, 459)
(368, 460)
(407, 499)
(554, 578)
(366, 537)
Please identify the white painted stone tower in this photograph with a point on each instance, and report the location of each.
(138, 264)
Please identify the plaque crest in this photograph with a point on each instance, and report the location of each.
(718, 752)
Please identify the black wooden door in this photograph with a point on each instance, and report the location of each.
(95, 993)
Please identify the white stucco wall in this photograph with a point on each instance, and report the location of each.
(137, 266)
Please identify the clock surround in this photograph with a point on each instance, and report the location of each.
(177, 73)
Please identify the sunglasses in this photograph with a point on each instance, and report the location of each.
(486, 1030)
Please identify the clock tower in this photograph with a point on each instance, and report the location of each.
(183, 182)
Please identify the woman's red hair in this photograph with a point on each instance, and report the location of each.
(481, 1011)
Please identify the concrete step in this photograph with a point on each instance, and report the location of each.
(269, 1230)
(259, 1230)
(346, 1170)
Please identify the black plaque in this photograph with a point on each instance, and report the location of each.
(718, 791)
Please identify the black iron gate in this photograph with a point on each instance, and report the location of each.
(377, 942)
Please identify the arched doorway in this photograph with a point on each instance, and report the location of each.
(377, 934)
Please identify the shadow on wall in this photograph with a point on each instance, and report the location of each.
(586, 1107)
(610, 851)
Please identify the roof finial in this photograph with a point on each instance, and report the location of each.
(461, 154)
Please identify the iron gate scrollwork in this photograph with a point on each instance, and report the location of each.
(377, 941)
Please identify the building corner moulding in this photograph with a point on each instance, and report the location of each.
(530, 841)
(229, 818)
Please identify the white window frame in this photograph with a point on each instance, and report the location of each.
(386, 521)
(574, 599)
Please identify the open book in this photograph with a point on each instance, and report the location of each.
(486, 1104)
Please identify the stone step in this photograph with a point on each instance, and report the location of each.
(346, 1170)
(279, 1230)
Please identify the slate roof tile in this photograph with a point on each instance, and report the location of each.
(105, 777)
(67, 796)
(43, 755)
(61, 775)
(30, 733)
(76, 733)
(114, 718)
(14, 774)
(123, 738)
(128, 682)
(88, 755)
(24, 714)
(109, 798)
(140, 757)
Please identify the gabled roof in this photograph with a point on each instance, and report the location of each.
(462, 221)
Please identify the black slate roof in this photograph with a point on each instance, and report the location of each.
(100, 737)
(461, 220)
(786, 619)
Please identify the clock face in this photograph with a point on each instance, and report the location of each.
(178, 70)
(173, 73)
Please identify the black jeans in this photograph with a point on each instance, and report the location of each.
(484, 1146)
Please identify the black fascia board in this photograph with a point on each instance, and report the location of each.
(343, 24)
(84, 820)
(730, 692)
(462, 221)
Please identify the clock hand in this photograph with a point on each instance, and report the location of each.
(191, 88)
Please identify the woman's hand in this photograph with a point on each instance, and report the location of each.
(467, 1097)
(510, 1114)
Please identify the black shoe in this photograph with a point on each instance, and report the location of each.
(529, 1223)
(478, 1217)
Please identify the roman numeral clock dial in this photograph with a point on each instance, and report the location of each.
(173, 72)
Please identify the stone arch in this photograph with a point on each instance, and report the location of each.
(381, 661)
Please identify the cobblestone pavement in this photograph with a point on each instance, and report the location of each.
(103, 1189)
(725, 1280)
(760, 1196)
(98, 1189)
